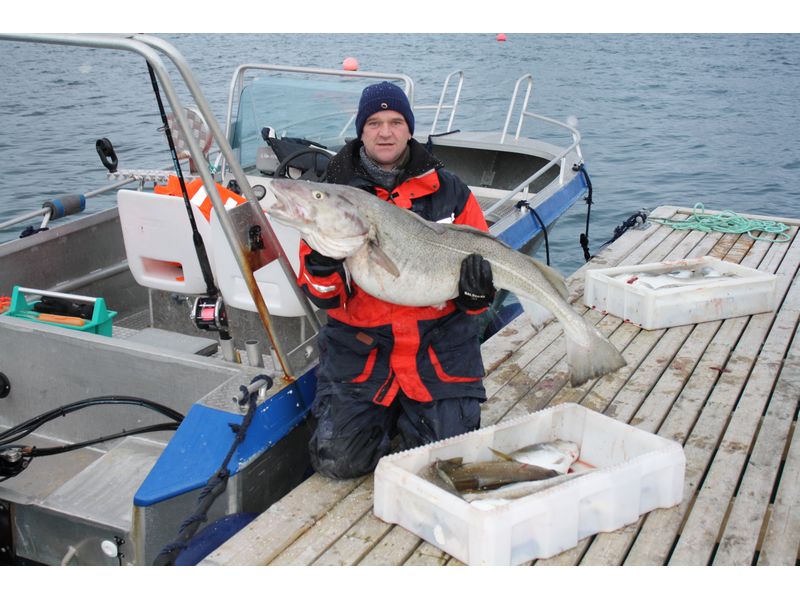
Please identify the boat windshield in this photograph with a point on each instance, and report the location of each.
(296, 106)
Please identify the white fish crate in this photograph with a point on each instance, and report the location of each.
(635, 472)
(672, 293)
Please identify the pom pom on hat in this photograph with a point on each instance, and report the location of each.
(383, 96)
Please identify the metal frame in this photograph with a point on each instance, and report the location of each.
(147, 47)
(441, 103)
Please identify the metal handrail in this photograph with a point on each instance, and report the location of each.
(145, 46)
(441, 103)
(560, 157)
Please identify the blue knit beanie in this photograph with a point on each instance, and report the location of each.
(383, 96)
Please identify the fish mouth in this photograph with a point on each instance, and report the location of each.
(285, 208)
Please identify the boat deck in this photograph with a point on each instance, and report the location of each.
(727, 390)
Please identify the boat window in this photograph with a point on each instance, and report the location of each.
(296, 106)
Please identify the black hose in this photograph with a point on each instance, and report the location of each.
(35, 451)
(19, 431)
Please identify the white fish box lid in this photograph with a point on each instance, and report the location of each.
(634, 472)
(682, 292)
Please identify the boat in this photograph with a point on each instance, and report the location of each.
(158, 356)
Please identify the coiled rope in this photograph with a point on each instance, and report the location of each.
(728, 222)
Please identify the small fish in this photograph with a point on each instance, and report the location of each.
(558, 455)
(488, 475)
(513, 491)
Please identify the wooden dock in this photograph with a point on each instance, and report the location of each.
(727, 390)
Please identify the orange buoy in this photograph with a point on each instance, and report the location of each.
(501, 37)
(350, 64)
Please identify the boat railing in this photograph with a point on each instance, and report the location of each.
(559, 159)
(441, 105)
(148, 47)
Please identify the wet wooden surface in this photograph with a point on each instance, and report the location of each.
(728, 391)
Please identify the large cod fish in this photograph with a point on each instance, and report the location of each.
(397, 256)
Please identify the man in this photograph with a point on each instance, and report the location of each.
(386, 368)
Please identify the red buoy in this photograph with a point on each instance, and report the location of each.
(350, 64)
(501, 37)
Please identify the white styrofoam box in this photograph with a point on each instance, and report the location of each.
(636, 472)
(672, 293)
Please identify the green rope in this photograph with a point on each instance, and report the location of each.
(728, 222)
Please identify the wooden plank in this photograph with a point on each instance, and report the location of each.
(782, 539)
(357, 542)
(329, 528)
(702, 527)
(511, 380)
(426, 555)
(282, 523)
(505, 343)
(393, 549)
(738, 543)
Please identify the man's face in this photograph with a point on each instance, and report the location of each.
(385, 137)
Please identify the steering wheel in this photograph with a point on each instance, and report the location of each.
(310, 174)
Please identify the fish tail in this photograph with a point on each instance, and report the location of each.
(591, 355)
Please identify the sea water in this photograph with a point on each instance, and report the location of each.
(665, 119)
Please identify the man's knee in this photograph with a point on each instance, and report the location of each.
(347, 457)
(350, 437)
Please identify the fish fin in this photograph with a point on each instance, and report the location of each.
(381, 259)
(444, 477)
(536, 313)
(554, 277)
(502, 455)
(593, 360)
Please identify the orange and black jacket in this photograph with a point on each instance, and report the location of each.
(373, 348)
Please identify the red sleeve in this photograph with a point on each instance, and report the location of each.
(472, 215)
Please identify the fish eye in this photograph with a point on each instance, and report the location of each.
(317, 195)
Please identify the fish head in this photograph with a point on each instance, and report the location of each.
(323, 213)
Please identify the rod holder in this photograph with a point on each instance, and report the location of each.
(254, 357)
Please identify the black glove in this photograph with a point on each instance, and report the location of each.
(320, 265)
(475, 287)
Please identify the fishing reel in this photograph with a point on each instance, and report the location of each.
(208, 313)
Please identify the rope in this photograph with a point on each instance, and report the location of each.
(524, 204)
(583, 239)
(729, 222)
(214, 486)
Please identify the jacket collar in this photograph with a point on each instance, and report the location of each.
(345, 167)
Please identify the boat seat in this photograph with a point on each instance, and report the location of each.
(275, 288)
(158, 241)
(161, 255)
